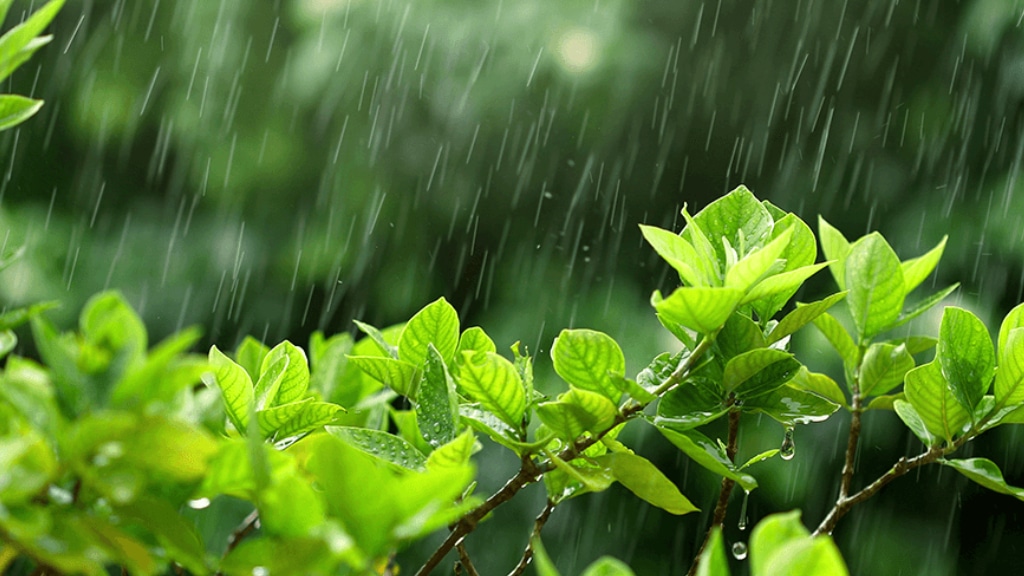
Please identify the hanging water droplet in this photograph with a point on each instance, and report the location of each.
(743, 511)
(788, 449)
(739, 550)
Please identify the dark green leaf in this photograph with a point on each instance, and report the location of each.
(739, 334)
(790, 406)
(986, 473)
(759, 372)
(690, 405)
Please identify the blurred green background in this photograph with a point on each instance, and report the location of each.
(277, 167)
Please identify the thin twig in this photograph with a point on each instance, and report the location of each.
(531, 472)
(244, 529)
(851, 444)
(464, 560)
(723, 496)
(538, 525)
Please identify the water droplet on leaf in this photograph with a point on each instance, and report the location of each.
(788, 449)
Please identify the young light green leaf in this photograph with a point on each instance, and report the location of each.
(679, 254)
(708, 454)
(545, 567)
(578, 411)
(771, 294)
(885, 402)
(398, 375)
(15, 109)
(931, 397)
(781, 546)
(752, 267)
(589, 360)
(485, 422)
(474, 338)
(455, 453)
(803, 314)
(820, 384)
(1014, 319)
(607, 566)
(587, 477)
(284, 376)
(250, 354)
(707, 260)
(701, 309)
(493, 381)
(713, 561)
(644, 479)
(839, 338)
(883, 368)
(20, 37)
(905, 410)
(758, 372)
(273, 418)
(836, 248)
(1009, 388)
(916, 270)
(875, 281)
(437, 407)
(312, 416)
(767, 454)
(790, 405)
(985, 472)
(739, 218)
(690, 405)
(8, 340)
(966, 355)
(922, 306)
(385, 447)
(235, 387)
(377, 337)
(438, 324)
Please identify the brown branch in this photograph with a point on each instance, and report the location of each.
(538, 525)
(531, 472)
(723, 496)
(248, 526)
(903, 465)
(464, 560)
(851, 444)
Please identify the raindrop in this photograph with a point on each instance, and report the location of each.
(742, 525)
(200, 503)
(788, 449)
(739, 550)
(260, 571)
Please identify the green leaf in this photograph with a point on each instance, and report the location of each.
(578, 411)
(7, 342)
(701, 309)
(803, 314)
(20, 38)
(790, 405)
(883, 368)
(820, 384)
(436, 323)
(474, 338)
(660, 369)
(758, 372)
(905, 410)
(108, 321)
(398, 375)
(284, 376)
(235, 388)
(16, 109)
(713, 561)
(384, 447)
(922, 306)
(884, 402)
(916, 270)
(839, 338)
(494, 382)
(1009, 388)
(378, 338)
(311, 416)
(781, 546)
(739, 334)
(589, 360)
(607, 566)
(581, 475)
(177, 535)
(753, 267)
(644, 479)
(272, 419)
(455, 453)
(679, 254)
(836, 248)
(930, 395)
(437, 407)
(250, 354)
(986, 473)
(690, 405)
(1014, 319)
(14, 318)
(767, 454)
(485, 422)
(771, 294)
(966, 355)
(545, 567)
(739, 218)
(708, 454)
(875, 281)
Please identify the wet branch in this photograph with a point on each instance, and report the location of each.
(248, 526)
(723, 496)
(464, 562)
(538, 525)
(851, 444)
(531, 471)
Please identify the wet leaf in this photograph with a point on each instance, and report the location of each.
(905, 410)
(494, 382)
(986, 473)
(437, 407)
(16, 109)
(235, 387)
(820, 384)
(272, 419)
(781, 546)
(701, 309)
(398, 375)
(312, 416)
(790, 406)
(966, 355)
(739, 218)
(1009, 386)
(934, 401)
(607, 566)
(756, 264)
(739, 334)
(384, 346)
(589, 360)
(284, 376)
(713, 561)
(839, 338)
(644, 479)
(474, 338)
(577, 411)
(382, 446)
(836, 248)
(679, 254)
(759, 372)
(690, 405)
(455, 453)
(875, 281)
(916, 270)
(708, 454)
(436, 323)
(250, 354)
(883, 368)
(803, 314)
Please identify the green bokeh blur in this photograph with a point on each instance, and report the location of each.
(277, 167)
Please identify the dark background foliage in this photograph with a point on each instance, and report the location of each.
(279, 167)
